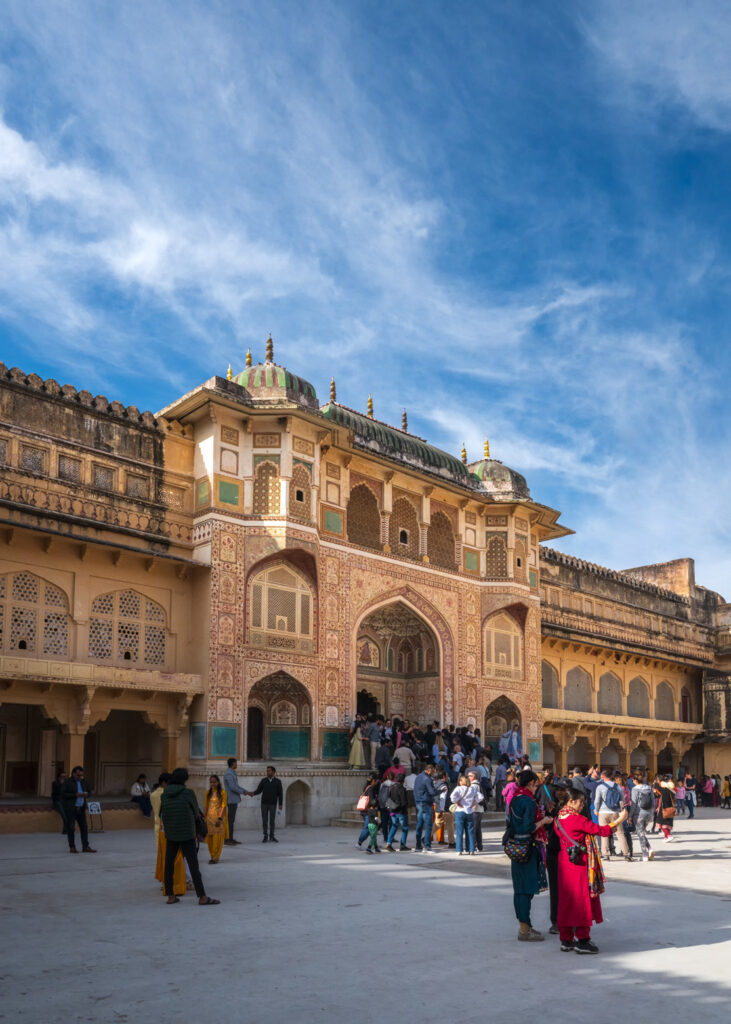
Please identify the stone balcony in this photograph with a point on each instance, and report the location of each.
(623, 723)
(74, 673)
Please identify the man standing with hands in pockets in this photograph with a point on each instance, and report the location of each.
(271, 795)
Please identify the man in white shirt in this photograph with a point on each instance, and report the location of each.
(405, 757)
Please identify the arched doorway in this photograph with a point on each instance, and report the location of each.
(285, 712)
(255, 733)
(120, 747)
(398, 665)
(503, 729)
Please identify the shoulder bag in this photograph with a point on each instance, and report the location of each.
(574, 851)
(364, 802)
(519, 848)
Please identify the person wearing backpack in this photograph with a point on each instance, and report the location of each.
(384, 811)
(608, 806)
(642, 808)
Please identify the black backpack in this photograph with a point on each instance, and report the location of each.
(646, 801)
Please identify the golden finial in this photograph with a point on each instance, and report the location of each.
(464, 454)
(229, 375)
(404, 422)
(248, 357)
(370, 406)
(333, 396)
(487, 449)
(270, 350)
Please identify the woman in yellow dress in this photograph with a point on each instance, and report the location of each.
(179, 880)
(216, 818)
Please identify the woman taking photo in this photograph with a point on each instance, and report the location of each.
(580, 874)
(216, 818)
(526, 825)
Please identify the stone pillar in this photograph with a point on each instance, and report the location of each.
(385, 524)
(46, 758)
(170, 751)
(73, 749)
(423, 553)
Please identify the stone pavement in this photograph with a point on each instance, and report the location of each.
(314, 930)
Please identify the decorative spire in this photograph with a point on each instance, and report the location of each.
(487, 449)
(229, 374)
(464, 454)
(333, 395)
(405, 422)
(248, 357)
(370, 406)
(270, 350)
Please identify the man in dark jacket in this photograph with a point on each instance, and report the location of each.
(424, 794)
(179, 811)
(271, 795)
(398, 807)
(74, 794)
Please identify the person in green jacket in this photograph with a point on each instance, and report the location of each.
(179, 810)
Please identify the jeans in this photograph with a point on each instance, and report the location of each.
(232, 808)
(641, 823)
(62, 811)
(424, 814)
(187, 847)
(522, 902)
(385, 823)
(463, 822)
(268, 813)
(398, 819)
(690, 805)
(144, 804)
(364, 831)
(77, 817)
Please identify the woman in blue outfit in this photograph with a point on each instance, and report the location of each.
(525, 822)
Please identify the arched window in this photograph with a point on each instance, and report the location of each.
(34, 616)
(403, 529)
(266, 489)
(281, 609)
(440, 541)
(686, 705)
(503, 640)
(521, 560)
(127, 628)
(638, 699)
(300, 489)
(577, 692)
(549, 677)
(363, 517)
(497, 558)
(609, 700)
(665, 702)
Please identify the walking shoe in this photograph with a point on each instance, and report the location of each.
(452, 846)
(651, 855)
(629, 859)
(586, 946)
(265, 839)
(427, 849)
(230, 842)
(369, 850)
(669, 838)
(405, 849)
(568, 946)
(377, 849)
(273, 839)
(88, 849)
(531, 935)
(72, 849)
(390, 848)
(553, 930)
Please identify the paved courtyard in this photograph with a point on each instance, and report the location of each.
(314, 930)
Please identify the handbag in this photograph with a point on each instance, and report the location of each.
(364, 802)
(668, 812)
(518, 848)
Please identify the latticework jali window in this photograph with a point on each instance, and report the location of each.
(281, 609)
(403, 529)
(34, 617)
(266, 490)
(300, 489)
(503, 639)
(364, 519)
(127, 628)
(440, 541)
(497, 558)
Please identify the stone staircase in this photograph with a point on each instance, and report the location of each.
(350, 818)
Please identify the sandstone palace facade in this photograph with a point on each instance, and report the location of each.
(239, 573)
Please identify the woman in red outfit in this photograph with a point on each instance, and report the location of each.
(581, 879)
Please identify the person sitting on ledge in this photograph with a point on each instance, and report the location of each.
(141, 795)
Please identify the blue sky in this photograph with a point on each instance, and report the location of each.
(509, 217)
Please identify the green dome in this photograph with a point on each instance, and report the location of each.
(271, 383)
(499, 481)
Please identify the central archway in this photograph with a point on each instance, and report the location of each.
(501, 718)
(398, 664)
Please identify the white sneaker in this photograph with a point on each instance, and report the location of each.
(670, 839)
(645, 859)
